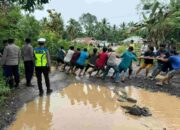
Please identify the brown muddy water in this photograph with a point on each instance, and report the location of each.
(90, 107)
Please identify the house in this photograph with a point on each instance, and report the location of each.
(136, 39)
(85, 40)
(91, 41)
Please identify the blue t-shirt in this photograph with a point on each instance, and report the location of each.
(127, 59)
(82, 58)
(175, 62)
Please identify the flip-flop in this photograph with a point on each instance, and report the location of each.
(122, 81)
(159, 84)
(98, 76)
(167, 83)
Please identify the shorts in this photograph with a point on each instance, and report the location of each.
(173, 73)
(67, 63)
(131, 67)
(72, 64)
(80, 66)
(91, 65)
(60, 61)
(99, 67)
(147, 66)
(122, 69)
(142, 54)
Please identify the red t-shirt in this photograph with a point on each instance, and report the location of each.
(102, 59)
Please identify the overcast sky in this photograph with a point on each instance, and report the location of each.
(116, 11)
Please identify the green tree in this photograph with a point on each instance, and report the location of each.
(73, 29)
(28, 5)
(103, 30)
(28, 26)
(54, 23)
(88, 22)
(9, 22)
(123, 26)
(115, 34)
(161, 21)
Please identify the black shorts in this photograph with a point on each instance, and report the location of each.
(72, 64)
(80, 66)
(60, 61)
(90, 66)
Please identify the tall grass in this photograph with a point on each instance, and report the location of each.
(124, 47)
(4, 89)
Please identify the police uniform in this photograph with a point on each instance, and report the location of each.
(42, 66)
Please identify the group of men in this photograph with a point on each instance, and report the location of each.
(37, 58)
(77, 60)
(161, 60)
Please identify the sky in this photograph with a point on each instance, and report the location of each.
(116, 11)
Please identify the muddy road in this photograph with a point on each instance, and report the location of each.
(90, 103)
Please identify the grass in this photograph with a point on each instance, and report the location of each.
(124, 47)
(4, 89)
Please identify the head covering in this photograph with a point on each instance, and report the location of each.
(41, 40)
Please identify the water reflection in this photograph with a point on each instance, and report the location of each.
(36, 116)
(97, 97)
(164, 106)
(90, 107)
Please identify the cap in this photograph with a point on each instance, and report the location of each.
(41, 40)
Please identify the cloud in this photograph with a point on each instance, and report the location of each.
(95, 1)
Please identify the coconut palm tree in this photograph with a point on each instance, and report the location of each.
(74, 29)
(162, 21)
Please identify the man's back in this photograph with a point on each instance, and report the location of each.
(102, 58)
(82, 58)
(175, 61)
(127, 59)
(75, 57)
(112, 58)
(11, 55)
(69, 55)
(27, 52)
(61, 54)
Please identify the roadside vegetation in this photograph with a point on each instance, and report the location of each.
(4, 90)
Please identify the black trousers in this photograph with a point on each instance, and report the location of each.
(11, 73)
(29, 70)
(45, 72)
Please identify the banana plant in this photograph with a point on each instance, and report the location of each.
(160, 23)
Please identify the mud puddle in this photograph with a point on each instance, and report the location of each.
(90, 107)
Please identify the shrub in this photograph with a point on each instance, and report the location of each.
(122, 48)
(4, 89)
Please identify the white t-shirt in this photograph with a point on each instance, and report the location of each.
(112, 59)
(144, 48)
(155, 50)
(69, 55)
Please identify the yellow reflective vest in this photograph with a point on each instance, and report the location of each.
(40, 57)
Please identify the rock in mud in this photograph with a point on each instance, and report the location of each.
(137, 111)
(121, 100)
(129, 99)
(126, 99)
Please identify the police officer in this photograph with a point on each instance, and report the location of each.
(10, 61)
(42, 65)
(28, 58)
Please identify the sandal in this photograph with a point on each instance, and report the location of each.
(159, 84)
